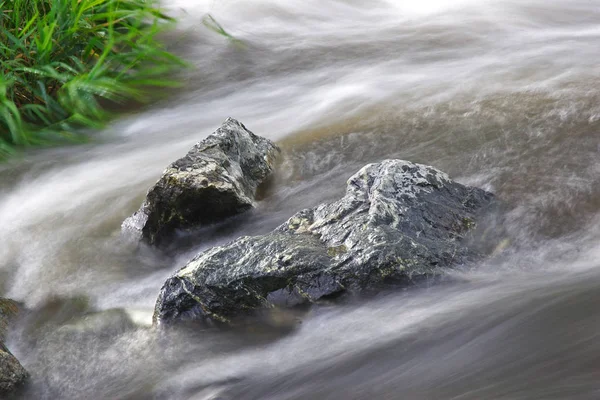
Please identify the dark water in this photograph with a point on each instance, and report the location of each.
(500, 94)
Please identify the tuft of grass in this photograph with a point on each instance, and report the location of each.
(63, 61)
(211, 23)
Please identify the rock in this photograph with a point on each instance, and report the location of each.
(53, 313)
(8, 310)
(12, 373)
(398, 221)
(99, 324)
(73, 316)
(218, 178)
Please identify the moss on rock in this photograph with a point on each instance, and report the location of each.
(12, 373)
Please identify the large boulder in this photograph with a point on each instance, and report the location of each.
(398, 221)
(216, 179)
(12, 373)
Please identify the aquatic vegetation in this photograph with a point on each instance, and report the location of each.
(211, 23)
(65, 64)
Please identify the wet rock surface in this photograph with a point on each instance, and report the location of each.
(397, 222)
(216, 179)
(12, 373)
(72, 316)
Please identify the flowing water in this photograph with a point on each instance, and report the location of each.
(502, 94)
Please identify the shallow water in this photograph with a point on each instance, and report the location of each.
(498, 93)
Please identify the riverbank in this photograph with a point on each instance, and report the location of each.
(67, 64)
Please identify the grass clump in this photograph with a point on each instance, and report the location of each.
(63, 61)
(211, 23)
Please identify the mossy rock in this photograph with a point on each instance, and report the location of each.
(8, 310)
(12, 373)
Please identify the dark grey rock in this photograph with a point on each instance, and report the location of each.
(12, 373)
(398, 221)
(217, 178)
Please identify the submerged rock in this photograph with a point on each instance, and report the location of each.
(217, 178)
(398, 221)
(74, 316)
(95, 325)
(12, 373)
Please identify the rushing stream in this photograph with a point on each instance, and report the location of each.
(501, 94)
